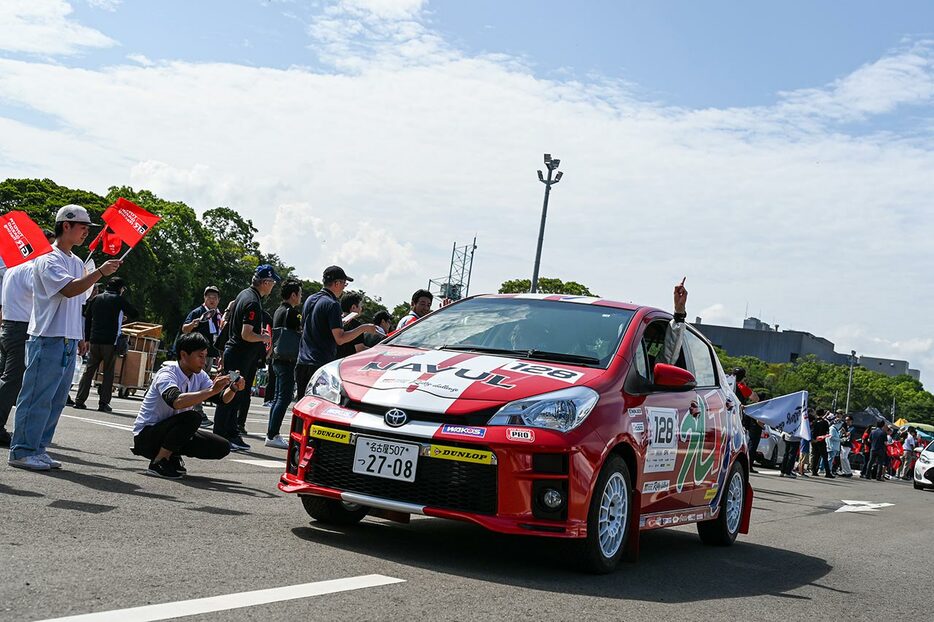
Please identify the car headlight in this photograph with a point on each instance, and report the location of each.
(924, 459)
(326, 383)
(561, 410)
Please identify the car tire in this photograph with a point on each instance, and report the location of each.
(333, 511)
(722, 530)
(608, 518)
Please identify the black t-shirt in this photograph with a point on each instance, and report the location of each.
(102, 315)
(350, 347)
(247, 311)
(321, 314)
(820, 428)
(287, 316)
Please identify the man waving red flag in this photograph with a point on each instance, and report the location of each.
(129, 221)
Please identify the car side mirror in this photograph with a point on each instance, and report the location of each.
(672, 378)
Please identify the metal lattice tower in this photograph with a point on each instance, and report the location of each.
(457, 283)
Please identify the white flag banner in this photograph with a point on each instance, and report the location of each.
(787, 413)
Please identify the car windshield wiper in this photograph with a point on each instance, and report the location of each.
(464, 347)
(563, 357)
(541, 355)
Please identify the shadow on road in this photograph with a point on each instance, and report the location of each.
(673, 567)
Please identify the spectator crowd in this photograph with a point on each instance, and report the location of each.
(53, 313)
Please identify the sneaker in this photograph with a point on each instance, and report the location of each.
(793, 475)
(238, 444)
(242, 431)
(69, 401)
(178, 463)
(277, 441)
(164, 468)
(267, 404)
(105, 408)
(205, 422)
(30, 463)
(78, 405)
(53, 464)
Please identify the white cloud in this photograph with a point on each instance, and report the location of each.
(141, 59)
(107, 5)
(411, 144)
(44, 27)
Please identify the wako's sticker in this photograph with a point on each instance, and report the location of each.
(635, 412)
(522, 435)
(637, 427)
(464, 430)
(656, 486)
(343, 413)
(663, 440)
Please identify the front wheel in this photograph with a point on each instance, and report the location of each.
(722, 530)
(333, 511)
(608, 518)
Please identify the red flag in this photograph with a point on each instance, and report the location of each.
(21, 239)
(129, 221)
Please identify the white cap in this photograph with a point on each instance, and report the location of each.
(73, 213)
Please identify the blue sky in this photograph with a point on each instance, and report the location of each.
(789, 142)
(684, 53)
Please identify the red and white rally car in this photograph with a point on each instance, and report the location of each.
(528, 414)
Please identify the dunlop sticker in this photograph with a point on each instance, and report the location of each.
(330, 434)
(460, 454)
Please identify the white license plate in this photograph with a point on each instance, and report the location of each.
(381, 458)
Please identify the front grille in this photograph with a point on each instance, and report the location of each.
(929, 475)
(438, 483)
(476, 418)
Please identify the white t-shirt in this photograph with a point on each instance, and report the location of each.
(154, 408)
(17, 293)
(54, 314)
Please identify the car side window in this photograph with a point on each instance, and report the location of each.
(700, 361)
(640, 363)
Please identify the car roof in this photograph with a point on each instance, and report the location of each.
(581, 300)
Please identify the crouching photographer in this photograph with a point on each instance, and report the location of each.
(168, 426)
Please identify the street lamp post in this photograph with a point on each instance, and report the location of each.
(849, 384)
(552, 165)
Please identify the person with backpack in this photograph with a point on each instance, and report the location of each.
(286, 334)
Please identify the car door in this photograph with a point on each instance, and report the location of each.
(662, 413)
(706, 454)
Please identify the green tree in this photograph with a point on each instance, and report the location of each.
(545, 286)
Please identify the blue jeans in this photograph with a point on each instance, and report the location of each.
(50, 366)
(285, 390)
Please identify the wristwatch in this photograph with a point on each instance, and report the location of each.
(680, 317)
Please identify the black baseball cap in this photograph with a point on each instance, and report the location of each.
(335, 273)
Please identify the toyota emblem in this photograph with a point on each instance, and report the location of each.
(395, 418)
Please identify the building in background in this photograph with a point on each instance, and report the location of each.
(758, 339)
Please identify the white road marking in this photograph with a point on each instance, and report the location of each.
(106, 424)
(168, 611)
(762, 471)
(862, 506)
(269, 464)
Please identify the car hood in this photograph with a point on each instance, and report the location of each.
(450, 382)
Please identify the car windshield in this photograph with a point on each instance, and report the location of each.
(930, 447)
(543, 330)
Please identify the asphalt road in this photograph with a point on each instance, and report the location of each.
(100, 535)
